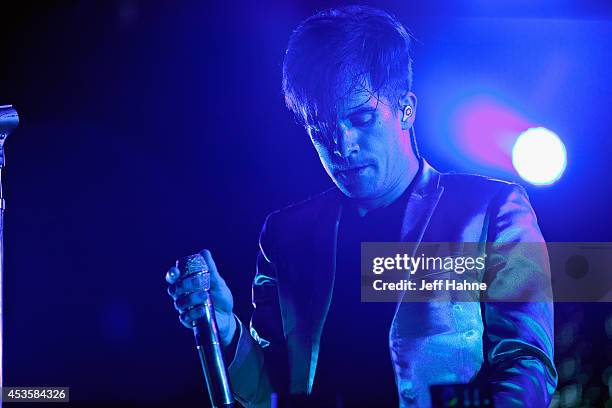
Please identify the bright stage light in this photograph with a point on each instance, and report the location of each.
(539, 156)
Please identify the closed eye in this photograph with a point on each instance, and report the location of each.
(362, 118)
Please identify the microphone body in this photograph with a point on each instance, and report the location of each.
(206, 335)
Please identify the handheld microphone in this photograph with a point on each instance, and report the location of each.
(206, 336)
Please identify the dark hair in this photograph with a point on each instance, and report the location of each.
(348, 45)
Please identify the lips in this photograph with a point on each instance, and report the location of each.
(352, 171)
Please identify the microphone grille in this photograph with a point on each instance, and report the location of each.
(195, 264)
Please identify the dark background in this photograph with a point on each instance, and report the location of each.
(150, 130)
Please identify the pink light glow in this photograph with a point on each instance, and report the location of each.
(485, 131)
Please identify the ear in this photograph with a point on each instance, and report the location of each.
(409, 99)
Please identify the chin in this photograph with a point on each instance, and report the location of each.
(357, 190)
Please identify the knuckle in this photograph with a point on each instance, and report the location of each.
(178, 289)
(189, 316)
(178, 303)
(196, 312)
(184, 286)
(188, 301)
(186, 321)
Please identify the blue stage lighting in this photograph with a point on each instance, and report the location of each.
(539, 156)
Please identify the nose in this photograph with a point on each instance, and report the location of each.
(345, 141)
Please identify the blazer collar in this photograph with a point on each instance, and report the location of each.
(421, 204)
(428, 180)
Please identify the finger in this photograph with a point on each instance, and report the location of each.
(172, 275)
(191, 283)
(191, 316)
(212, 268)
(190, 300)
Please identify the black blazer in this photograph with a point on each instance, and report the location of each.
(509, 345)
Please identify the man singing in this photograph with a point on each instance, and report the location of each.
(347, 78)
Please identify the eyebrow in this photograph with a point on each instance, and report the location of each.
(363, 109)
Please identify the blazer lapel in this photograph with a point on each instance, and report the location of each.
(318, 271)
(420, 208)
(421, 204)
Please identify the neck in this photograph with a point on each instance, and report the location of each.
(365, 205)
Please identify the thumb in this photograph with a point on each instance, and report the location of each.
(212, 268)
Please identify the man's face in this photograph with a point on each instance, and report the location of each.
(371, 150)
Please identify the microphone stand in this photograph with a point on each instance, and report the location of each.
(8, 122)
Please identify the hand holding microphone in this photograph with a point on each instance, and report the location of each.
(205, 304)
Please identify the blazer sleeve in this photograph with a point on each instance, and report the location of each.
(517, 308)
(259, 366)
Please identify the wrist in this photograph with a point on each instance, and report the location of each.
(226, 340)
